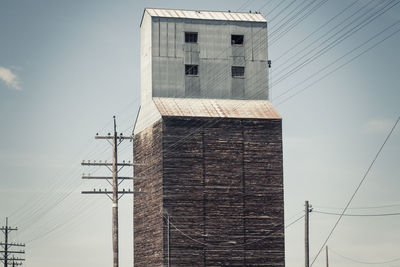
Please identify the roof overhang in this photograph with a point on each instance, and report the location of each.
(204, 15)
(215, 108)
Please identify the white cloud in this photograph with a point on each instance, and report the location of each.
(9, 78)
(378, 125)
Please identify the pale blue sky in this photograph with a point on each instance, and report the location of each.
(67, 66)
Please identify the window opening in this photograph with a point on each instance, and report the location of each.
(237, 71)
(190, 37)
(237, 39)
(191, 69)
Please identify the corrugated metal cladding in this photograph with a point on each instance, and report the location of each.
(216, 108)
(208, 15)
(213, 52)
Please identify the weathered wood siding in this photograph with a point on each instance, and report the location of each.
(148, 221)
(222, 186)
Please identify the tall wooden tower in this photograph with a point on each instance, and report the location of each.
(211, 143)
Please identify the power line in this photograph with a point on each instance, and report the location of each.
(312, 33)
(332, 44)
(276, 6)
(337, 60)
(364, 262)
(360, 208)
(265, 5)
(244, 5)
(282, 32)
(326, 34)
(358, 187)
(277, 228)
(358, 215)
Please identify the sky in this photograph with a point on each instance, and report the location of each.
(66, 67)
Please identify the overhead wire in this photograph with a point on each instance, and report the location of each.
(275, 7)
(332, 71)
(328, 47)
(357, 189)
(283, 9)
(265, 5)
(43, 204)
(296, 45)
(357, 215)
(321, 39)
(205, 244)
(363, 261)
(297, 22)
(244, 5)
(359, 208)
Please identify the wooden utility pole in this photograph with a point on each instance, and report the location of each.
(116, 195)
(327, 259)
(308, 209)
(7, 254)
(115, 198)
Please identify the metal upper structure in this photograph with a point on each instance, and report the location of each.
(187, 54)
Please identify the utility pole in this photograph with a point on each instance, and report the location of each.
(308, 209)
(7, 254)
(115, 181)
(327, 259)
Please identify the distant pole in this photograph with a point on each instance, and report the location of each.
(7, 252)
(327, 259)
(306, 235)
(115, 197)
(6, 244)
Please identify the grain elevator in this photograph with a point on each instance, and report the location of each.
(210, 141)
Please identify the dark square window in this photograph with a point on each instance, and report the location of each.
(237, 71)
(190, 37)
(191, 69)
(237, 39)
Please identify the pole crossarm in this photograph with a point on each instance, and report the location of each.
(14, 263)
(12, 251)
(112, 137)
(9, 228)
(110, 192)
(111, 164)
(13, 244)
(13, 259)
(109, 178)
